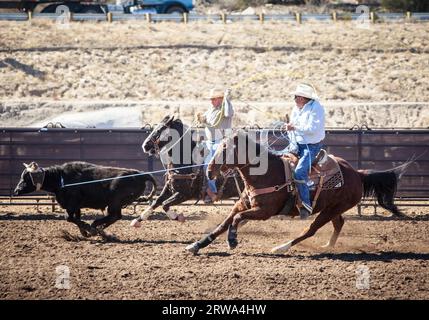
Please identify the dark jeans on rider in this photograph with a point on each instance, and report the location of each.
(307, 154)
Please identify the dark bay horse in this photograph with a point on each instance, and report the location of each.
(183, 182)
(330, 204)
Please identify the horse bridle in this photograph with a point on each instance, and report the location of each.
(155, 143)
(38, 179)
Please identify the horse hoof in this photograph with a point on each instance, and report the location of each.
(232, 244)
(93, 232)
(282, 248)
(84, 233)
(181, 217)
(136, 223)
(193, 248)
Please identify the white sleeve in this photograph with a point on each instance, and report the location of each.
(293, 115)
(229, 110)
(315, 122)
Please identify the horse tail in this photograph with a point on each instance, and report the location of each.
(383, 185)
(151, 179)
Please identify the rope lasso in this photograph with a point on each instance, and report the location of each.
(127, 176)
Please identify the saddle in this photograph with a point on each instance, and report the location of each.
(325, 174)
(325, 170)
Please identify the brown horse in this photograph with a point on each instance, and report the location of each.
(329, 206)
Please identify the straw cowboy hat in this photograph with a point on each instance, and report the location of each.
(305, 90)
(216, 93)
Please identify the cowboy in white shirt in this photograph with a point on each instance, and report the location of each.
(306, 130)
(218, 121)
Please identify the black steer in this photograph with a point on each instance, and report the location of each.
(112, 193)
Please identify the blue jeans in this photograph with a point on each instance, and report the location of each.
(212, 146)
(307, 154)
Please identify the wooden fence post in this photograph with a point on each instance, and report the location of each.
(109, 17)
(30, 15)
(334, 16)
(261, 17)
(408, 15)
(70, 16)
(148, 17)
(223, 17)
(185, 17)
(372, 16)
(298, 17)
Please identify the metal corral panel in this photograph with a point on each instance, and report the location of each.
(173, 17)
(241, 17)
(280, 17)
(89, 17)
(13, 16)
(316, 17)
(51, 16)
(127, 16)
(205, 18)
(391, 16)
(363, 149)
(420, 16)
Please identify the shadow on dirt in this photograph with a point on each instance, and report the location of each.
(107, 238)
(423, 217)
(31, 217)
(387, 256)
(87, 217)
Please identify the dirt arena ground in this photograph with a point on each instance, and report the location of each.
(376, 258)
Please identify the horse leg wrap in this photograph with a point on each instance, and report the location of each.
(232, 237)
(145, 215)
(171, 214)
(282, 248)
(204, 242)
(136, 223)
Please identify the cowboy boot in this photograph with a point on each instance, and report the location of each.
(305, 211)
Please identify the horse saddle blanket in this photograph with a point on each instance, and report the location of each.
(326, 171)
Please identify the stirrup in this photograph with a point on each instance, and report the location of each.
(307, 207)
(305, 211)
(213, 196)
(208, 199)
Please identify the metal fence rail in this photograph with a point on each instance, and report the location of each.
(221, 18)
(89, 17)
(13, 16)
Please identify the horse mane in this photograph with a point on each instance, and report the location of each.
(179, 123)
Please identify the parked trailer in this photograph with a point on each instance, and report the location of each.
(99, 6)
(55, 6)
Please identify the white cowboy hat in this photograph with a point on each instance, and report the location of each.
(305, 90)
(216, 93)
